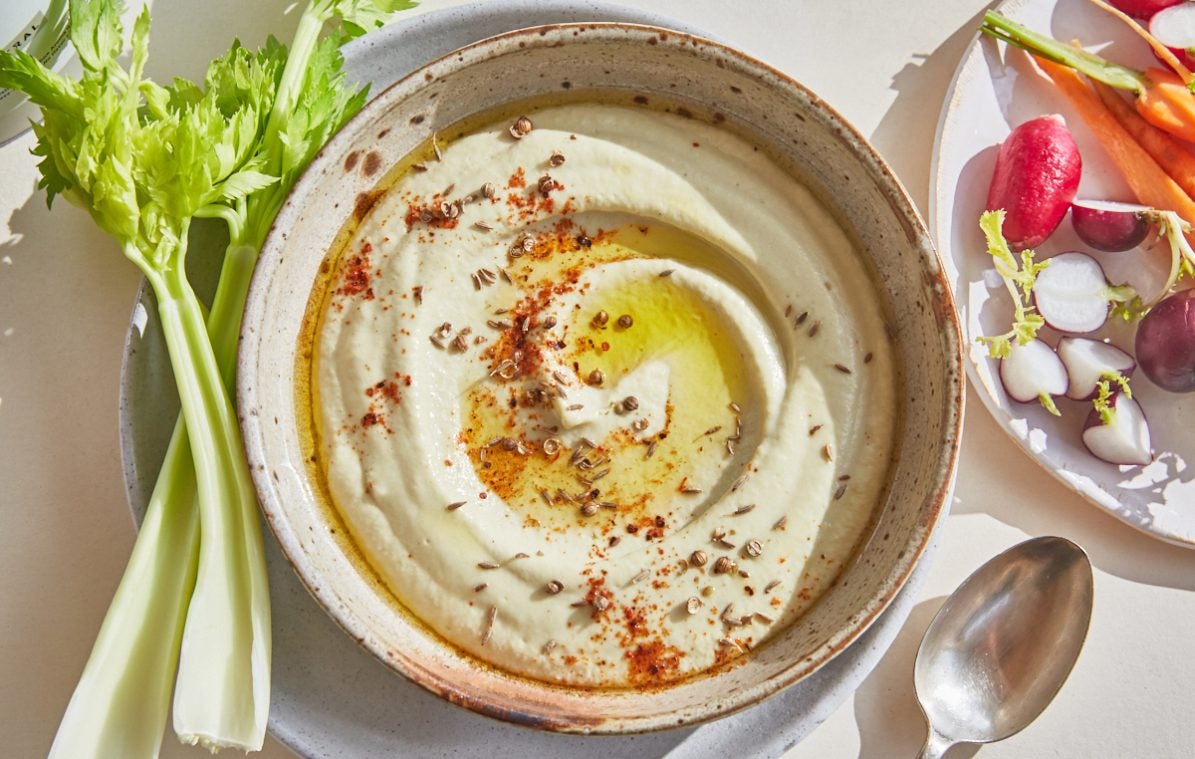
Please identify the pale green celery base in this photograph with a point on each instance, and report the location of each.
(120, 704)
(221, 696)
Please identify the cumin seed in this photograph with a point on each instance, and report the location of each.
(490, 617)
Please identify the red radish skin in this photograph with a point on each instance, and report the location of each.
(1174, 27)
(1124, 442)
(1142, 9)
(1165, 343)
(1037, 174)
(1109, 226)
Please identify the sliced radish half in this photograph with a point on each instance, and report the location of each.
(1110, 226)
(1123, 437)
(1088, 361)
(1174, 27)
(1073, 295)
(1143, 9)
(1033, 372)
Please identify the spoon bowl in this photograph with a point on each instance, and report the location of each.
(1003, 644)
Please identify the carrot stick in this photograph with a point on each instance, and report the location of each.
(1163, 52)
(1175, 160)
(1162, 97)
(1149, 183)
(1167, 103)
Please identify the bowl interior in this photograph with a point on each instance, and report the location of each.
(704, 80)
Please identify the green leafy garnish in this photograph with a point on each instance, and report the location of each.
(1047, 402)
(1018, 277)
(1129, 309)
(1182, 257)
(145, 160)
(1104, 393)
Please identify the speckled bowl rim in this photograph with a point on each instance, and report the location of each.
(942, 307)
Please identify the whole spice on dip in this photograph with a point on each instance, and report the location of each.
(602, 418)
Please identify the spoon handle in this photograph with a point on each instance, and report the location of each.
(936, 745)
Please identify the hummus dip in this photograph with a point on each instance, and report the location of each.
(604, 395)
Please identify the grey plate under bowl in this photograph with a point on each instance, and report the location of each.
(334, 699)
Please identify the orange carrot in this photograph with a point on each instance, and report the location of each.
(1163, 52)
(1162, 97)
(1149, 183)
(1166, 103)
(1175, 160)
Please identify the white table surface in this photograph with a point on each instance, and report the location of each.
(65, 531)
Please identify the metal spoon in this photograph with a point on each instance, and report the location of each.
(1003, 643)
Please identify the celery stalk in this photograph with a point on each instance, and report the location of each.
(144, 160)
(119, 706)
(227, 632)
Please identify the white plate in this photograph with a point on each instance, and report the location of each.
(994, 90)
(330, 697)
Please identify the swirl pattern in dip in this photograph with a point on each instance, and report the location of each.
(606, 401)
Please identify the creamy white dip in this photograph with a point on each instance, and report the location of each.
(738, 435)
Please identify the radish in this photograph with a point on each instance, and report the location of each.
(1165, 343)
(1036, 177)
(1033, 372)
(1142, 9)
(1118, 433)
(1073, 295)
(1174, 27)
(1110, 226)
(1088, 362)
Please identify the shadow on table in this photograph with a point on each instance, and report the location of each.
(1037, 504)
(905, 135)
(886, 711)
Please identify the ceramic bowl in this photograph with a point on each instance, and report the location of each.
(770, 109)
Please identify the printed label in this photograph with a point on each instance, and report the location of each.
(25, 37)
